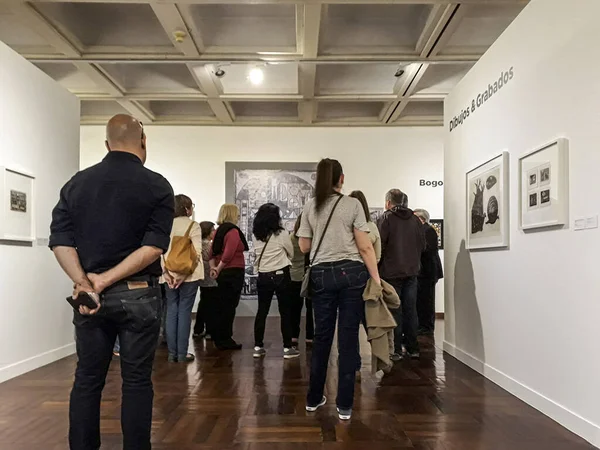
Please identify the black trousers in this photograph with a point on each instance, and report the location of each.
(426, 304)
(231, 282)
(205, 314)
(297, 302)
(277, 283)
(133, 316)
(406, 316)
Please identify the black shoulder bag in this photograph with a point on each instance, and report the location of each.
(305, 289)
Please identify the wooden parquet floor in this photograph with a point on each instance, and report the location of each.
(228, 400)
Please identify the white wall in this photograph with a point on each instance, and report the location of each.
(39, 134)
(374, 159)
(527, 317)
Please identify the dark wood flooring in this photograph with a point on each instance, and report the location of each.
(231, 401)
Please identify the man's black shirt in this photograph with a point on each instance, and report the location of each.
(112, 209)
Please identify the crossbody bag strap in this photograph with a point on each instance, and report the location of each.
(189, 230)
(263, 252)
(325, 229)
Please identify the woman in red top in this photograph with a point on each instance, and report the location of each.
(227, 266)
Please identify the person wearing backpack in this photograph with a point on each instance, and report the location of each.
(183, 262)
(274, 250)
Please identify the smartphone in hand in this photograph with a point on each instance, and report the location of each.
(82, 299)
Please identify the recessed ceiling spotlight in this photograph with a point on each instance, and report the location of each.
(399, 72)
(219, 72)
(256, 75)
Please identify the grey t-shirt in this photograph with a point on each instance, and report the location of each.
(338, 243)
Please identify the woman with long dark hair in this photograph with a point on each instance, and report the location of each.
(334, 230)
(374, 236)
(297, 271)
(227, 266)
(273, 249)
(182, 293)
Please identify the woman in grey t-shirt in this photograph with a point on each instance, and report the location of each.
(341, 265)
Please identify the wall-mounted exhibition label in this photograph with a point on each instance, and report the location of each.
(430, 183)
(492, 89)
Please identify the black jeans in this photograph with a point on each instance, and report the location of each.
(134, 316)
(297, 304)
(406, 316)
(231, 282)
(205, 314)
(336, 286)
(426, 303)
(270, 283)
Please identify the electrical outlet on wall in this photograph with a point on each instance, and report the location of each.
(579, 224)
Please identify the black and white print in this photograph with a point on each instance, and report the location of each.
(545, 173)
(18, 201)
(533, 200)
(485, 207)
(545, 197)
(533, 179)
(288, 189)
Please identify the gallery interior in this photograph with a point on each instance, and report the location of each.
(484, 112)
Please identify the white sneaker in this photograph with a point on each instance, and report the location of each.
(289, 353)
(344, 414)
(259, 352)
(314, 408)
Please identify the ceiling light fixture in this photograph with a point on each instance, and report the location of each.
(219, 73)
(179, 36)
(256, 76)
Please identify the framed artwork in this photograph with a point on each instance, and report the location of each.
(17, 221)
(375, 214)
(252, 184)
(488, 204)
(438, 226)
(544, 186)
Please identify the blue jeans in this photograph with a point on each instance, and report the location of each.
(406, 316)
(336, 287)
(180, 302)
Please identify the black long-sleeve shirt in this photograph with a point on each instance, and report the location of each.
(112, 209)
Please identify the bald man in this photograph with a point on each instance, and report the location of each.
(111, 225)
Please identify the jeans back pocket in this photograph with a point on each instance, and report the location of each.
(142, 313)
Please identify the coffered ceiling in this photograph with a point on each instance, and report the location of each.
(337, 62)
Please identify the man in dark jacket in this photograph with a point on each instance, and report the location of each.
(402, 242)
(431, 273)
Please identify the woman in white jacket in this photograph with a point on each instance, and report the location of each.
(182, 294)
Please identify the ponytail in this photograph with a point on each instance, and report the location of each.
(329, 172)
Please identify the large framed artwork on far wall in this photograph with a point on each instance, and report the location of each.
(488, 222)
(544, 186)
(249, 185)
(17, 221)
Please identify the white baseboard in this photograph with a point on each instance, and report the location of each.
(35, 362)
(568, 419)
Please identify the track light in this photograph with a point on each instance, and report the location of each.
(256, 76)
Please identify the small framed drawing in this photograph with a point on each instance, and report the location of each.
(438, 226)
(544, 186)
(17, 208)
(488, 204)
